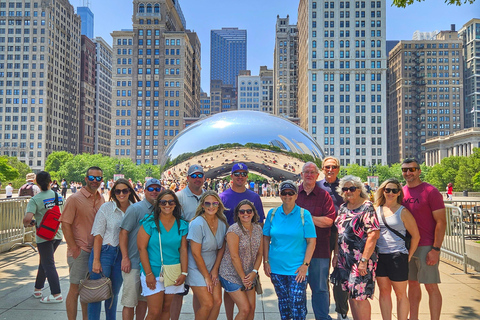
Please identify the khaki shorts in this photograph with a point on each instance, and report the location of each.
(78, 267)
(419, 270)
(132, 289)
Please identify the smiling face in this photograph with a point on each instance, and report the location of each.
(167, 204)
(288, 196)
(152, 195)
(245, 214)
(411, 173)
(92, 186)
(310, 174)
(388, 192)
(239, 178)
(122, 192)
(210, 205)
(349, 195)
(331, 170)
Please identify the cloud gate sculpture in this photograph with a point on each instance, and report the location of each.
(269, 145)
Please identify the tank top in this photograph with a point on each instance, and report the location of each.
(389, 242)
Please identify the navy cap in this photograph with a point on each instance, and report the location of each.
(239, 166)
(152, 181)
(288, 184)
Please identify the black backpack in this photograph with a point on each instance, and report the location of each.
(26, 190)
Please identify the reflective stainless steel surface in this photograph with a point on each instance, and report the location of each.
(271, 146)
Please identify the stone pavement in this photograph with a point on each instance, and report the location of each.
(461, 292)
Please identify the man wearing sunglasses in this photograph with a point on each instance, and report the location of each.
(320, 204)
(425, 203)
(230, 198)
(131, 294)
(77, 221)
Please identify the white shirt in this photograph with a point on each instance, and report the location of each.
(9, 190)
(107, 223)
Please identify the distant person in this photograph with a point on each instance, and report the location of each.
(450, 191)
(9, 190)
(29, 188)
(64, 188)
(55, 187)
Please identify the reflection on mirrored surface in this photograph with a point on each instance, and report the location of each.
(269, 145)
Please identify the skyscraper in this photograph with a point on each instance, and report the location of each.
(86, 138)
(228, 54)
(87, 21)
(342, 78)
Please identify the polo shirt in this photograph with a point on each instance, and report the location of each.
(231, 199)
(288, 242)
(331, 188)
(189, 202)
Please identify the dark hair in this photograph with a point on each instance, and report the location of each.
(380, 197)
(410, 160)
(255, 216)
(132, 197)
(93, 168)
(177, 212)
(43, 180)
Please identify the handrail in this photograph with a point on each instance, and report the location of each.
(12, 231)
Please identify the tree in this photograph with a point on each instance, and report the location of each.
(404, 3)
(56, 159)
(7, 172)
(22, 168)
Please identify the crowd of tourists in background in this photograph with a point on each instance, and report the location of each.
(159, 239)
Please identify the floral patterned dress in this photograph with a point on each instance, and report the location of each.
(353, 228)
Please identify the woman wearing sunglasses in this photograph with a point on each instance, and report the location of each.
(393, 256)
(355, 259)
(106, 257)
(289, 242)
(206, 237)
(242, 258)
(162, 239)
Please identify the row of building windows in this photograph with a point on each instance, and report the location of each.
(346, 109)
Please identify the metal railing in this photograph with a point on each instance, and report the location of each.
(453, 244)
(471, 217)
(12, 231)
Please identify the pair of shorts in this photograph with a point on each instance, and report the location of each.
(146, 291)
(132, 289)
(229, 286)
(419, 270)
(393, 265)
(78, 267)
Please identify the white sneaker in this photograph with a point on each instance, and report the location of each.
(340, 317)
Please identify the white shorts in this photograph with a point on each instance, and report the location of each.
(146, 291)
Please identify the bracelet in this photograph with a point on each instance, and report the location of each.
(436, 248)
(255, 270)
(185, 273)
(266, 261)
(148, 274)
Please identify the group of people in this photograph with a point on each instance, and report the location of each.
(160, 247)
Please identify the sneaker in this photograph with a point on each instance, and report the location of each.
(342, 317)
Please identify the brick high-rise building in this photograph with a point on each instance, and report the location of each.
(86, 139)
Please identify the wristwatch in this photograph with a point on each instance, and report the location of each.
(436, 248)
(306, 264)
(363, 260)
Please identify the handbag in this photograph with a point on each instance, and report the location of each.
(407, 237)
(170, 272)
(258, 285)
(95, 290)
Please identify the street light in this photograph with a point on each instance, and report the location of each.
(119, 167)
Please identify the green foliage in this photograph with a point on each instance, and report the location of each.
(7, 172)
(404, 3)
(22, 169)
(54, 161)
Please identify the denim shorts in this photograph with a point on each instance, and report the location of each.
(229, 286)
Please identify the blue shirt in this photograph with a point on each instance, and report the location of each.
(231, 199)
(288, 239)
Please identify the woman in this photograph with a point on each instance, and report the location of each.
(355, 256)
(37, 207)
(206, 237)
(242, 258)
(450, 191)
(106, 257)
(288, 245)
(55, 186)
(393, 256)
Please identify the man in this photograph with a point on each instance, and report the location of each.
(65, 188)
(319, 203)
(131, 294)
(331, 168)
(29, 188)
(189, 198)
(77, 221)
(425, 203)
(230, 198)
(9, 190)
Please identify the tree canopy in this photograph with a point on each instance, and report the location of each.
(404, 3)
(7, 172)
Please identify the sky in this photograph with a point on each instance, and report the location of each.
(258, 17)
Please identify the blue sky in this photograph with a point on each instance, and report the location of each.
(258, 17)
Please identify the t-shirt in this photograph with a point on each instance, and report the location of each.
(231, 198)
(421, 201)
(288, 242)
(39, 205)
(80, 211)
(171, 242)
(189, 203)
(8, 191)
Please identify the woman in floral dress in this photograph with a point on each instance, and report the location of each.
(355, 258)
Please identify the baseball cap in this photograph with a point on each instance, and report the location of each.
(30, 176)
(288, 184)
(152, 181)
(196, 168)
(239, 166)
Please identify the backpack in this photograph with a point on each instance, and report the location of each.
(26, 190)
(51, 222)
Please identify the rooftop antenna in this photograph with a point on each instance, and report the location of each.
(86, 3)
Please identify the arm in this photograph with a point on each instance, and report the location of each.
(368, 250)
(183, 261)
(302, 270)
(27, 220)
(258, 260)
(214, 271)
(97, 249)
(123, 238)
(233, 245)
(196, 249)
(142, 244)
(266, 248)
(440, 218)
(68, 234)
(411, 226)
(328, 210)
(322, 222)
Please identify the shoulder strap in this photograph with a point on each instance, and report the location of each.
(273, 214)
(160, 243)
(302, 214)
(388, 227)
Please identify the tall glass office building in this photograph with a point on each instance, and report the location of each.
(87, 21)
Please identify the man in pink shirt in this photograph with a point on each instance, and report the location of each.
(425, 203)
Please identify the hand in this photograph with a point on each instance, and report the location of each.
(248, 279)
(76, 252)
(96, 266)
(432, 257)
(151, 281)
(301, 273)
(180, 280)
(335, 260)
(214, 276)
(210, 285)
(362, 268)
(266, 268)
(126, 265)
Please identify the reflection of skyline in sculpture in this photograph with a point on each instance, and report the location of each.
(253, 135)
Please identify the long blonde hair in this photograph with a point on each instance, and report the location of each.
(380, 197)
(221, 208)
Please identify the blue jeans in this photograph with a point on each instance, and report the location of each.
(318, 281)
(111, 259)
(292, 296)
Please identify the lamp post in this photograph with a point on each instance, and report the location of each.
(119, 167)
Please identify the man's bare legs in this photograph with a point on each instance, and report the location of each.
(71, 304)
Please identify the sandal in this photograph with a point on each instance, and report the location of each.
(52, 299)
(37, 294)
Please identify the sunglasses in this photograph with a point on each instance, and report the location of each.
(243, 211)
(120, 191)
(98, 178)
(410, 169)
(238, 174)
(196, 175)
(287, 193)
(351, 189)
(151, 189)
(163, 203)
(388, 190)
(330, 167)
(211, 204)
